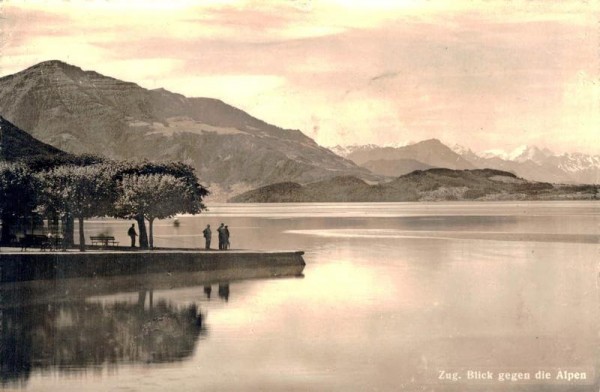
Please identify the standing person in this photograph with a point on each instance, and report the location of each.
(132, 234)
(221, 231)
(207, 236)
(226, 231)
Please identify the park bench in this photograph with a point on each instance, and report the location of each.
(104, 240)
(35, 240)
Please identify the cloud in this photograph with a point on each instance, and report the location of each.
(491, 72)
(247, 89)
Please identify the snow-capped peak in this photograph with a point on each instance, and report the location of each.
(494, 153)
(397, 144)
(460, 150)
(530, 153)
(575, 162)
(344, 151)
(520, 151)
(465, 152)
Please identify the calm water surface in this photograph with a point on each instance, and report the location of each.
(392, 295)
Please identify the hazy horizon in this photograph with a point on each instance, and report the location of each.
(483, 74)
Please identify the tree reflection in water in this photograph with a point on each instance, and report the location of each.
(48, 324)
(67, 335)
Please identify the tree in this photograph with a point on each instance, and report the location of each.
(179, 170)
(79, 192)
(18, 196)
(161, 196)
(38, 163)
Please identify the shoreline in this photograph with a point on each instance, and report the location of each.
(17, 266)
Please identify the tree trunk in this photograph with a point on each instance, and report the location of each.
(141, 301)
(53, 224)
(69, 230)
(67, 240)
(150, 223)
(143, 234)
(81, 235)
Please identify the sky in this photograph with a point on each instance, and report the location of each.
(486, 74)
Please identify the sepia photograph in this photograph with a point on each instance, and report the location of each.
(300, 195)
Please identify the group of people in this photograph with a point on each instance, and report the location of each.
(223, 231)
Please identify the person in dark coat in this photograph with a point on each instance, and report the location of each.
(221, 231)
(207, 236)
(132, 234)
(226, 238)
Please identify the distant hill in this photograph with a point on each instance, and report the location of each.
(422, 185)
(85, 112)
(18, 145)
(395, 167)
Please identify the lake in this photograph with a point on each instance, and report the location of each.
(394, 297)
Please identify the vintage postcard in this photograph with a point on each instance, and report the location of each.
(299, 195)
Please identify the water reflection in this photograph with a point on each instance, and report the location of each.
(374, 313)
(72, 324)
(69, 335)
(224, 291)
(207, 291)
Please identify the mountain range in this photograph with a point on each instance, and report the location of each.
(85, 112)
(528, 162)
(80, 111)
(419, 185)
